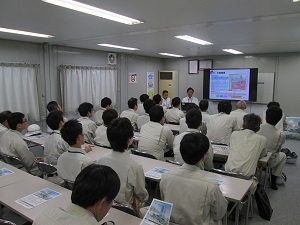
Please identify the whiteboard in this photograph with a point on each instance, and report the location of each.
(265, 87)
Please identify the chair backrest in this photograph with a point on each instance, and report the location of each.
(46, 168)
(125, 209)
(103, 146)
(173, 162)
(6, 222)
(142, 153)
(12, 160)
(174, 123)
(69, 184)
(230, 174)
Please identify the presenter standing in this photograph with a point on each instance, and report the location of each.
(190, 98)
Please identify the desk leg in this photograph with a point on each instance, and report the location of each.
(265, 178)
(237, 213)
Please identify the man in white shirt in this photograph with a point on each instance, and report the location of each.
(174, 114)
(166, 101)
(275, 140)
(190, 98)
(154, 136)
(204, 108)
(193, 120)
(131, 112)
(54, 106)
(101, 137)
(92, 196)
(145, 118)
(141, 110)
(105, 104)
(131, 173)
(246, 148)
(54, 145)
(221, 125)
(281, 125)
(89, 127)
(239, 113)
(71, 162)
(12, 143)
(196, 199)
(3, 122)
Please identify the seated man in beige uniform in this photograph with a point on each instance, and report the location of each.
(3, 122)
(93, 193)
(246, 148)
(275, 139)
(196, 199)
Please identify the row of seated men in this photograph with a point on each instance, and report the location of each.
(133, 189)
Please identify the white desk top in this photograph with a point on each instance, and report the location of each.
(173, 127)
(38, 139)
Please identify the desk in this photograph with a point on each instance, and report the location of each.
(174, 128)
(37, 139)
(18, 175)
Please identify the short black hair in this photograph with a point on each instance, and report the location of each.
(108, 115)
(203, 105)
(144, 97)
(51, 106)
(156, 113)
(14, 119)
(118, 134)
(164, 91)
(54, 118)
(251, 122)
(148, 104)
(193, 118)
(157, 98)
(270, 104)
(105, 102)
(224, 106)
(84, 108)
(132, 102)
(193, 147)
(273, 115)
(94, 183)
(176, 102)
(190, 89)
(70, 131)
(191, 106)
(4, 115)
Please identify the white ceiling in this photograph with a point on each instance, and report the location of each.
(252, 26)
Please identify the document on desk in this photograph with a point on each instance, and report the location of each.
(36, 137)
(37, 198)
(4, 171)
(156, 172)
(159, 212)
(219, 182)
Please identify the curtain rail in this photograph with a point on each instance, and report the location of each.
(86, 67)
(19, 64)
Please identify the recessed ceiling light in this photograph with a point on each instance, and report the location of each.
(296, 0)
(78, 6)
(117, 46)
(192, 39)
(232, 51)
(12, 31)
(173, 55)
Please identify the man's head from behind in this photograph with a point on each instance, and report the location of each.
(52, 106)
(241, 105)
(133, 104)
(105, 102)
(108, 116)
(17, 121)
(176, 102)
(72, 133)
(203, 105)
(120, 134)
(273, 115)
(191, 106)
(224, 106)
(157, 99)
(193, 148)
(143, 98)
(271, 104)
(3, 118)
(148, 104)
(252, 122)
(95, 188)
(193, 118)
(55, 120)
(86, 109)
(156, 114)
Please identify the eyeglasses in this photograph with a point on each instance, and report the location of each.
(25, 121)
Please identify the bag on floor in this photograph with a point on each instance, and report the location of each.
(263, 204)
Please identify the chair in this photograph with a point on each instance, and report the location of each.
(48, 169)
(6, 222)
(103, 146)
(142, 153)
(15, 161)
(69, 184)
(125, 209)
(174, 123)
(248, 199)
(173, 162)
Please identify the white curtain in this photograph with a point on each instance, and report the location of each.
(86, 84)
(18, 89)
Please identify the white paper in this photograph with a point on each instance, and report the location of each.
(156, 172)
(5, 171)
(219, 182)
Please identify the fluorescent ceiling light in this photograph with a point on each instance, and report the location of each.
(7, 30)
(192, 39)
(296, 0)
(78, 6)
(117, 46)
(168, 54)
(232, 51)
